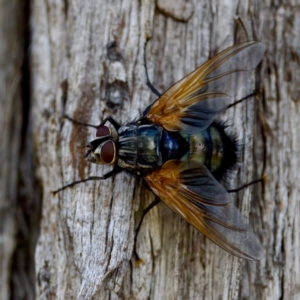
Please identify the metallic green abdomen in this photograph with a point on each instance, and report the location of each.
(214, 148)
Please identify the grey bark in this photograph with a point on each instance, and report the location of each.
(11, 61)
(19, 192)
(87, 62)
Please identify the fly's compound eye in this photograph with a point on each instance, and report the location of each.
(103, 131)
(101, 152)
(108, 152)
(103, 149)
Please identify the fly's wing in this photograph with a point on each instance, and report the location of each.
(192, 192)
(194, 102)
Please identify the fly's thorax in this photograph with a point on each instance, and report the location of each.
(103, 149)
(139, 148)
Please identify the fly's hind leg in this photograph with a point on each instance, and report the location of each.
(263, 180)
(145, 211)
(241, 100)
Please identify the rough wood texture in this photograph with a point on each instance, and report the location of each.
(87, 231)
(11, 60)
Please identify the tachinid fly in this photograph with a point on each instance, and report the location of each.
(183, 152)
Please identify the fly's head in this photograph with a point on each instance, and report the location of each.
(103, 149)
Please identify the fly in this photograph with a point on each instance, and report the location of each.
(183, 152)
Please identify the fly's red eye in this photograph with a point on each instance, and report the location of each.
(108, 152)
(102, 131)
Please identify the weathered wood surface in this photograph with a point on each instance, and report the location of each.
(87, 231)
(11, 117)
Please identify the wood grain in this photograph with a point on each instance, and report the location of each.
(87, 232)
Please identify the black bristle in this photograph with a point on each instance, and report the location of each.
(231, 148)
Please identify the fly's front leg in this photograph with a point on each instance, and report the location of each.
(112, 122)
(105, 176)
(78, 122)
(107, 119)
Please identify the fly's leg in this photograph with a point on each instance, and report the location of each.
(112, 121)
(157, 200)
(145, 211)
(105, 176)
(241, 100)
(150, 85)
(263, 180)
(107, 119)
(78, 122)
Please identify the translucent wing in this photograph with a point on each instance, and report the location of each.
(194, 102)
(192, 192)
